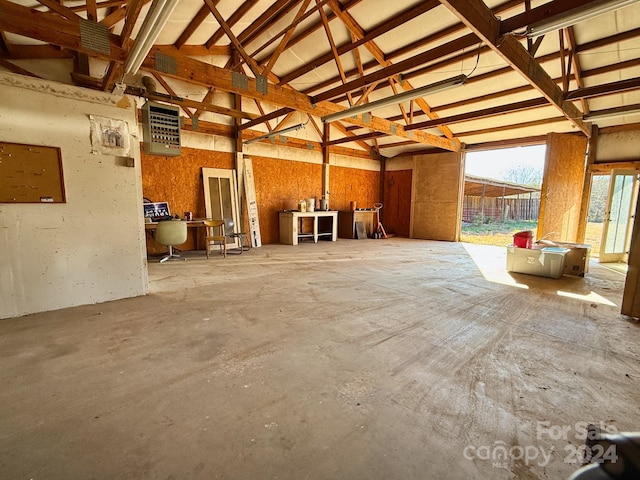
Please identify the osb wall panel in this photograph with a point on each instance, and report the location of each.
(178, 180)
(396, 212)
(280, 184)
(437, 196)
(349, 184)
(562, 187)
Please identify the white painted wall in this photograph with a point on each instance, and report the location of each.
(619, 146)
(90, 249)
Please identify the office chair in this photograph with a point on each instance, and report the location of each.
(170, 233)
(215, 235)
(229, 229)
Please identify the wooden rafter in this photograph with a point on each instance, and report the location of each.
(381, 29)
(60, 9)
(236, 43)
(577, 68)
(233, 19)
(134, 7)
(265, 118)
(377, 53)
(114, 17)
(483, 23)
(16, 69)
(92, 10)
(332, 45)
(266, 19)
(195, 22)
(209, 75)
(283, 43)
(171, 92)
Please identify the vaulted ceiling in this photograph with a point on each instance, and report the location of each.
(244, 69)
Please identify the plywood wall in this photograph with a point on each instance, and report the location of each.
(396, 212)
(438, 182)
(350, 184)
(280, 184)
(178, 180)
(562, 187)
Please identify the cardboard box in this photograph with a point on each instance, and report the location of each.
(543, 262)
(576, 261)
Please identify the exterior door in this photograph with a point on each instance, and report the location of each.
(618, 216)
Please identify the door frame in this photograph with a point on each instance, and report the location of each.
(630, 213)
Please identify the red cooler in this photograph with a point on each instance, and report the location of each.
(523, 239)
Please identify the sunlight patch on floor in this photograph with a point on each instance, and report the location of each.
(491, 262)
(592, 297)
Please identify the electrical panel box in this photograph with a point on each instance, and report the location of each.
(161, 129)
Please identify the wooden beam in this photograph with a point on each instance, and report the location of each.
(266, 118)
(233, 19)
(607, 167)
(514, 142)
(355, 138)
(285, 39)
(195, 50)
(51, 29)
(605, 89)
(134, 7)
(484, 113)
(236, 43)
(190, 29)
(16, 69)
(384, 73)
(60, 9)
(476, 15)
(209, 75)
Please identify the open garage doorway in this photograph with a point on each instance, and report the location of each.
(502, 194)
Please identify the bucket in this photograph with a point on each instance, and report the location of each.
(324, 204)
(523, 239)
(311, 204)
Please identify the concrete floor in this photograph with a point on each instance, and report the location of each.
(359, 359)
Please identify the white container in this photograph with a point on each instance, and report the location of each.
(302, 206)
(543, 262)
(311, 204)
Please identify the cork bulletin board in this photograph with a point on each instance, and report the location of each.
(30, 174)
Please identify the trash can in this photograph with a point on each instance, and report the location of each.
(523, 239)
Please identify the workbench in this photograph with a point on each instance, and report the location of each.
(323, 225)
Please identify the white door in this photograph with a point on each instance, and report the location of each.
(618, 216)
(221, 197)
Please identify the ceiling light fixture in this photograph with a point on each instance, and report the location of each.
(154, 22)
(609, 113)
(395, 99)
(575, 15)
(273, 134)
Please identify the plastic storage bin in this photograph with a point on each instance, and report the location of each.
(543, 262)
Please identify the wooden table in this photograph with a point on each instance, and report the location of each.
(325, 225)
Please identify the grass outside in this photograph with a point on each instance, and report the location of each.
(501, 233)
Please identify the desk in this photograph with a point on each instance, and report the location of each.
(347, 222)
(325, 224)
(151, 226)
